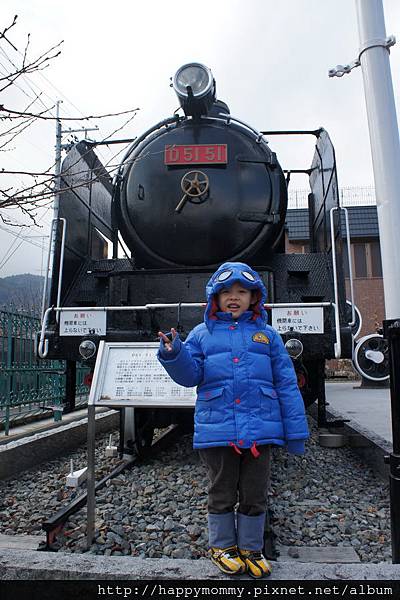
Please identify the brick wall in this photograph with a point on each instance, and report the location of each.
(295, 247)
(368, 295)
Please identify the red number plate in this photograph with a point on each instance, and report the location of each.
(199, 154)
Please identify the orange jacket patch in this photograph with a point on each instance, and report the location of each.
(260, 337)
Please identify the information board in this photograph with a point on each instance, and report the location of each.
(129, 374)
(303, 320)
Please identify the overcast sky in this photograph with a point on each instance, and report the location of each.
(270, 60)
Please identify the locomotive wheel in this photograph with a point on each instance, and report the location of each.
(144, 431)
(371, 358)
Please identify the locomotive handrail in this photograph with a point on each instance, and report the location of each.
(141, 138)
(47, 268)
(353, 308)
(227, 118)
(44, 343)
(60, 273)
(338, 345)
(315, 132)
(64, 224)
(230, 118)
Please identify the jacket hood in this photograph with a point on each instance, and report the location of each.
(225, 276)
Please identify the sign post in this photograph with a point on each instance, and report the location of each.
(127, 374)
(91, 474)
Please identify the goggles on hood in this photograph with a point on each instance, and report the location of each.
(224, 276)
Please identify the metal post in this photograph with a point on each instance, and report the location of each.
(385, 145)
(70, 386)
(58, 400)
(91, 489)
(321, 402)
(10, 365)
(385, 150)
(392, 334)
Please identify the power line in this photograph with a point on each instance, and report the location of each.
(8, 254)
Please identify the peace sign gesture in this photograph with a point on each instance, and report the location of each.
(166, 339)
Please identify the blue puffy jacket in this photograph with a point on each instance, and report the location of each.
(246, 384)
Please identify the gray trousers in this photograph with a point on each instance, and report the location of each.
(237, 478)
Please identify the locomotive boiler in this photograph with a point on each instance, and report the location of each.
(197, 189)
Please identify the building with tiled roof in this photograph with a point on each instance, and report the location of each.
(365, 258)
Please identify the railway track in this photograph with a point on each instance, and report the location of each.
(157, 508)
(54, 525)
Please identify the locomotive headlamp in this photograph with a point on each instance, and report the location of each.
(87, 349)
(294, 348)
(194, 85)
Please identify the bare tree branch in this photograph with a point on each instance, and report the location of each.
(46, 118)
(38, 64)
(40, 188)
(3, 33)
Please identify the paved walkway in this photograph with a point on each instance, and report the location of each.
(29, 429)
(368, 408)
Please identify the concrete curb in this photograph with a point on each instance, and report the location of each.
(33, 565)
(30, 451)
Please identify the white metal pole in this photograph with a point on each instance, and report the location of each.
(53, 226)
(57, 182)
(385, 148)
(385, 145)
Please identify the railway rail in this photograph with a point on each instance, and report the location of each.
(54, 525)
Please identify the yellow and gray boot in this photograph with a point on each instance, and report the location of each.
(250, 540)
(222, 540)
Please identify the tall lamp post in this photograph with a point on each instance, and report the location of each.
(385, 150)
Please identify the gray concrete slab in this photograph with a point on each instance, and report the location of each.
(29, 565)
(317, 554)
(20, 542)
(18, 432)
(367, 413)
(369, 408)
(26, 452)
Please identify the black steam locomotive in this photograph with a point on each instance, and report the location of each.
(197, 189)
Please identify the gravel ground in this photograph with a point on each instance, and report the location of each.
(327, 497)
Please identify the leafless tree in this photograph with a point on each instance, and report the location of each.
(39, 190)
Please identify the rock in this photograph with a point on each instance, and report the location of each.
(153, 527)
(160, 508)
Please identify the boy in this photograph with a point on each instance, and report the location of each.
(248, 399)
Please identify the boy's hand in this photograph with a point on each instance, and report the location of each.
(168, 339)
